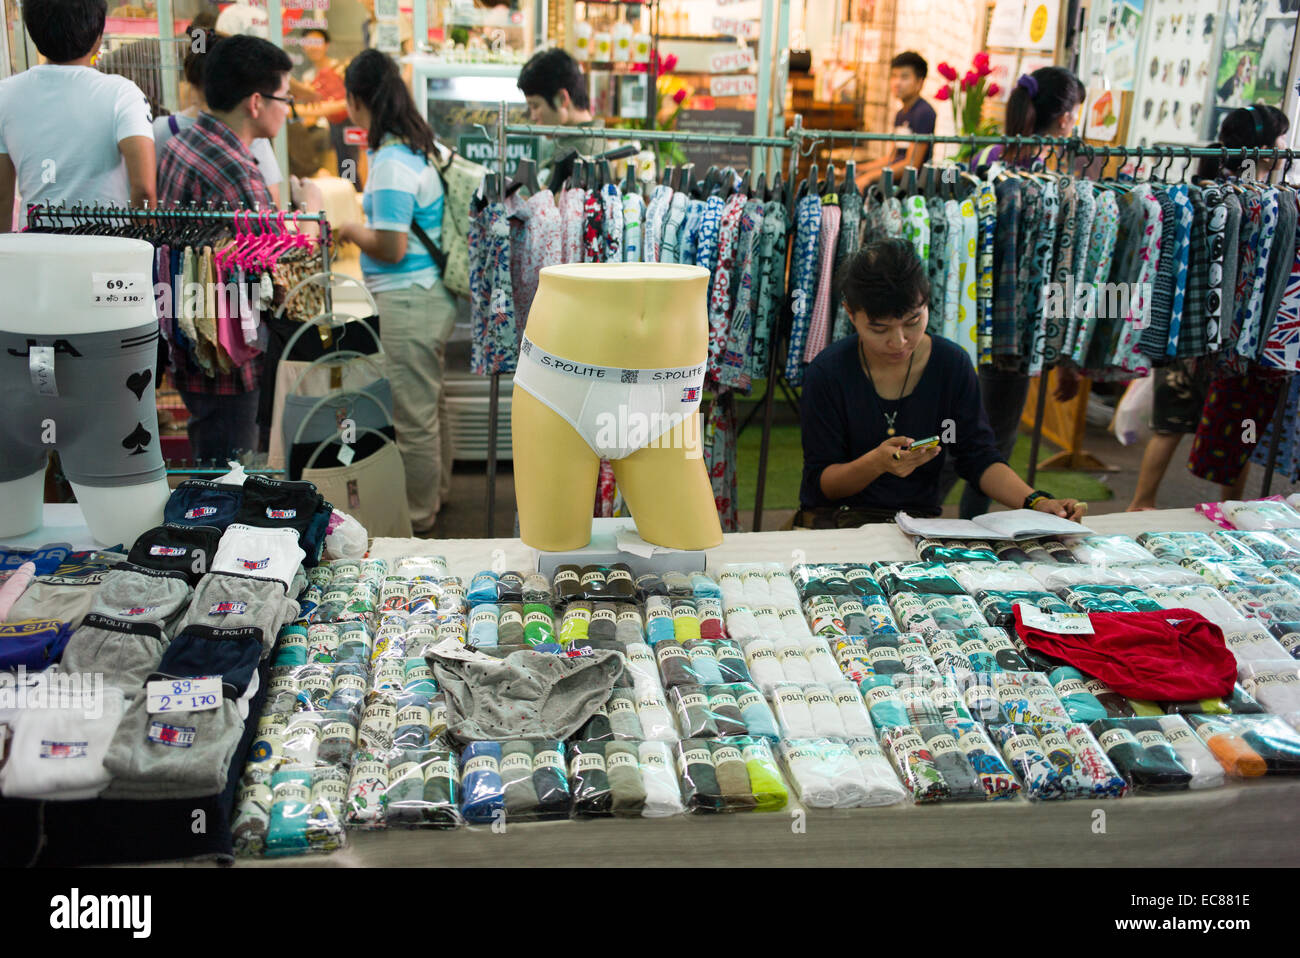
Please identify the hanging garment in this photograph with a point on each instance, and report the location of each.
(1101, 248)
(720, 459)
(986, 208)
(1043, 251)
(611, 210)
(706, 246)
(655, 213)
(572, 207)
(690, 238)
(773, 247)
(1063, 269)
(1279, 264)
(1185, 211)
(605, 491)
(733, 370)
(1191, 330)
(819, 325)
(916, 225)
(1087, 214)
(1126, 262)
(495, 348)
(593, 228)
(1148, 243)
(669, 249)
(1006, 288)
(967, 283)
(537, 244)
(803, 282)
(1232, 227)
(721, 294)
(937, 264)
(1030, 225)
(1248, 252)
(845, 248)
(1282, 347)
(633, 211)
(1216, 219)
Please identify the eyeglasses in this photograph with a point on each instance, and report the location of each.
(293, 110)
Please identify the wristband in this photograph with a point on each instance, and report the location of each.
(1036, 496)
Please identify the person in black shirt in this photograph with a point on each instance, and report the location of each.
(907, 73)
(868, 398)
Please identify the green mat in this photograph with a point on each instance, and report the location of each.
(785, 469)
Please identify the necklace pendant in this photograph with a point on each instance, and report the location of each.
(889, 431)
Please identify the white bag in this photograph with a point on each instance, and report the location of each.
(1132, 422)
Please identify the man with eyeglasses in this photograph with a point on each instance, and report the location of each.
(246, 86)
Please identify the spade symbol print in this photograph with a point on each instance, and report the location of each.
(139, 382)
(138, 440)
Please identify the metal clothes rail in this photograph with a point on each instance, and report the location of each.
(802, 142)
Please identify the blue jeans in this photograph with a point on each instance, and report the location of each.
(221, 427)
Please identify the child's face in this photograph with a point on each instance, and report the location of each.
(904, 83)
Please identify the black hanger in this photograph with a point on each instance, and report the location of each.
(745, 186)
(828, 184)
(526, 174)
(629, 181)
(850, 184)
(606, 173)
(685, 177)
(778, 188)
(809, 185)
(668, 176)
(761, 192)
(909, 181)
(727, 183)
(887, 182)
(928, 174)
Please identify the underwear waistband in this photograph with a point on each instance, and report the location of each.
(689, 375)
(82, 345)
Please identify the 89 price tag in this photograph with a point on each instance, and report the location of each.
(183, 695)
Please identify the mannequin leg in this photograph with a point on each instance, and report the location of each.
(669, 492)
(20, 504)
(555, 476)
(118, 514)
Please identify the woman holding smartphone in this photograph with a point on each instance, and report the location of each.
(882, 409)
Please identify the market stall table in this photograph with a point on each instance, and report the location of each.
(1251, 823)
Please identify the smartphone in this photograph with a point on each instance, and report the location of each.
(923, 443)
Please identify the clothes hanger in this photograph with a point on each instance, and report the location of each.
(778, 188)
(746, 187)
(809, 185)
(685, 175)
(761, 191)
(726, 183)
(828, 185)
(850, 184)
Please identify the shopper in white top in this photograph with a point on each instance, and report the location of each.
(68, 133)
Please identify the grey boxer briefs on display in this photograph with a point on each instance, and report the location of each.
(57, 596)
(136, 594)
(92, 394)
(173, 755)
(223, 600)
(125, 652)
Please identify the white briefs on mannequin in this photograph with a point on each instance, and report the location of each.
(616, 411)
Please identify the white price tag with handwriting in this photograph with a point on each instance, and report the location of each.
(1060, 623)
(183, 695)
(119, 289)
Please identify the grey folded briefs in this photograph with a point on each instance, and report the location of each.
(527, 694)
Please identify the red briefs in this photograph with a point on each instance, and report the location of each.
(1176, 655)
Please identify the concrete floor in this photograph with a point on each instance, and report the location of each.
(465, 514)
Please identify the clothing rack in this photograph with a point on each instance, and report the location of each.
(176, 213)
(802, 142)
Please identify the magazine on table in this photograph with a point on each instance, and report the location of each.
(1013, 524)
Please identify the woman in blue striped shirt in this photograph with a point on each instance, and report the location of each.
(416, 313)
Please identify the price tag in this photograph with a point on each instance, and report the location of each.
(1060, 623)
(346, 455)
(119, 289)
(183, 695)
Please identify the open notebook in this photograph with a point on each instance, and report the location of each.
(1013, 524)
